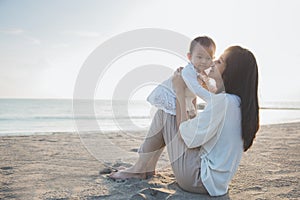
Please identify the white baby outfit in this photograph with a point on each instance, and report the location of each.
(164, 97)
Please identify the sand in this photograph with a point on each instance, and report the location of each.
(59, 166)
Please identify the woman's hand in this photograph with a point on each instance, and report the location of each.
(178, 82)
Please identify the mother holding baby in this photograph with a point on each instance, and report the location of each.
(205, 151)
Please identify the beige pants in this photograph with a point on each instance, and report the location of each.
(185, 162)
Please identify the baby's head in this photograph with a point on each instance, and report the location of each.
(202, 52)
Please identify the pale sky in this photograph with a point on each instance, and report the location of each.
(43, 44)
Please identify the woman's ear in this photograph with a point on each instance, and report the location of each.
(189, 56)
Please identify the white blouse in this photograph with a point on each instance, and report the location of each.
(218, 131)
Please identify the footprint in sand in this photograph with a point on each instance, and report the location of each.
(6, 170)
(151, 193)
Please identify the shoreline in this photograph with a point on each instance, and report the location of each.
(23, 134)
(60, 166)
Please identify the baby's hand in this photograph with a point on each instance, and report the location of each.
(203, 77)
(205, 82)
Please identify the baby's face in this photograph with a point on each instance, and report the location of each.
(200, 58)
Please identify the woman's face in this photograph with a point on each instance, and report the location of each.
(218, 68)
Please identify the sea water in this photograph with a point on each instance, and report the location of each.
(46, 116)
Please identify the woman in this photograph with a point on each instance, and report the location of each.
(206, 151)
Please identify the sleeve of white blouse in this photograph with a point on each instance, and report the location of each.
(199, 130)
(189, 76)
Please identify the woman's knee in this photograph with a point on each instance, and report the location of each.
(190, 187)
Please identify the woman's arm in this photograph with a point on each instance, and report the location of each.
(180, 86)
(181, 113)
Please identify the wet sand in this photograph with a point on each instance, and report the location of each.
(59, 166)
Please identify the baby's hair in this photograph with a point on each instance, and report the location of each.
(206, 42)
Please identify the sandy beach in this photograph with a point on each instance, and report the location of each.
(59, 166)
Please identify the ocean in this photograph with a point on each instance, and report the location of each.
(46, 116)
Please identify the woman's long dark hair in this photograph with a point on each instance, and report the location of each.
(241, 78)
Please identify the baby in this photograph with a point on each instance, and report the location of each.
(201, 54)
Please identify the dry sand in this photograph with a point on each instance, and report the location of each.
(58, 166)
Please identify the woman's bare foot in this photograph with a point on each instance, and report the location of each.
(123, 175)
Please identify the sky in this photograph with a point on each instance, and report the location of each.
(43, 44)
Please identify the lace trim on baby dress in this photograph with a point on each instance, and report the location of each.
(164, 99)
